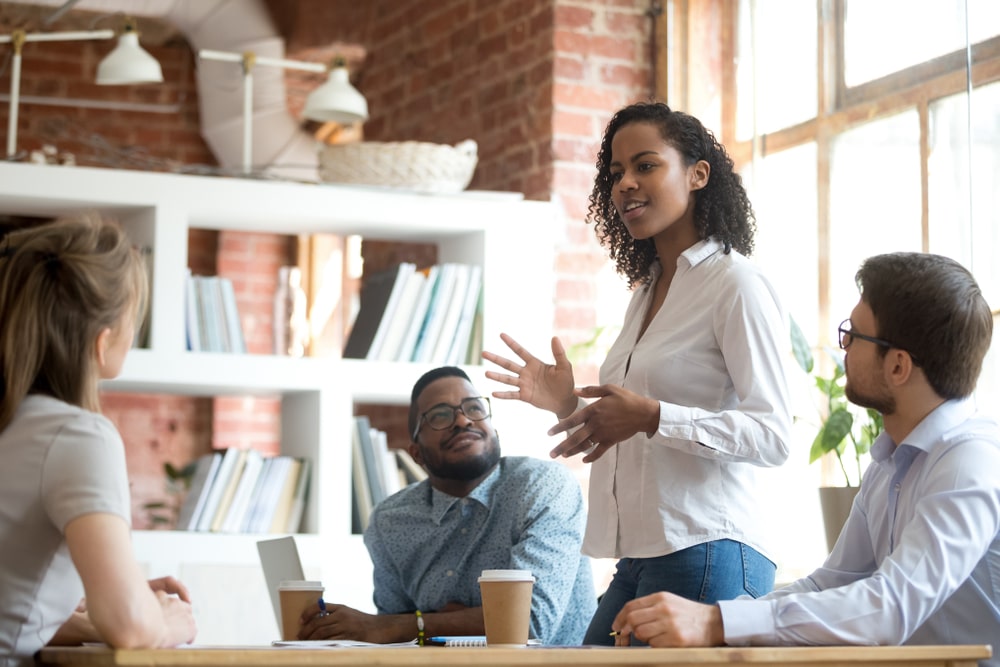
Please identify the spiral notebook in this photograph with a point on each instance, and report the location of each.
(467, 640)
(457, 640)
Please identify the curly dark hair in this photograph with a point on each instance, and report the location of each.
(722, 208)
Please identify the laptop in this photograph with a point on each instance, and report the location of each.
(279, 558)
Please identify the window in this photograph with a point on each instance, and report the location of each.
(933, 28)
(900, 129)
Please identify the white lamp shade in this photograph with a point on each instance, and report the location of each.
(336, 100)
(128, 63)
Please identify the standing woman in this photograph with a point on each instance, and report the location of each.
(692, 392)
(71, 293)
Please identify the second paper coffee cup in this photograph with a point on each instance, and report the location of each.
(506, 606)
(296, 597)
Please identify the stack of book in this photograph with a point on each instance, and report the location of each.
(213, 320)
(377, 471)
(240, 491)
(430, 315)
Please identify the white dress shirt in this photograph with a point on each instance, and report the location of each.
(918, 561)
(713, 356)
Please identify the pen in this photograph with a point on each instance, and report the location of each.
(322, 607)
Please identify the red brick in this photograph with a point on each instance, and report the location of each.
(573, 18)
(626, 76)
(627, 23)
(569, 67)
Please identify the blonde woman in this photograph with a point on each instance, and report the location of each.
(71, 293)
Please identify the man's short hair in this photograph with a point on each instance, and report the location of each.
(421, 384)
(932, 307)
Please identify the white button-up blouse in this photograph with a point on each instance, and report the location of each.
(714, 357)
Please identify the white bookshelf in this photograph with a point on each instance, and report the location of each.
(512, 239)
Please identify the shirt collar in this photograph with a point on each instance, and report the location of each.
(693, 256)
(441, 502)
(702, 250)
(930, 430)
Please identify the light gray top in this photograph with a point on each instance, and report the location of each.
(57, 462)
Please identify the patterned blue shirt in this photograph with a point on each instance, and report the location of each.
(429, 548)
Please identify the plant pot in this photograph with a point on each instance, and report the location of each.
(835, 502)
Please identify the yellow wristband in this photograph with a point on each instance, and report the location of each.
(420, 628)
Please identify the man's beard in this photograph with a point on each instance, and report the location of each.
(469, 469)
(884, 403)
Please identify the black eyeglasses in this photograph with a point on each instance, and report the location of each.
(443, 415)
(847, 336)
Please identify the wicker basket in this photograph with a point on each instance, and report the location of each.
(414, 165)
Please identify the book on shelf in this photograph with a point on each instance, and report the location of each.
(235, 341)
(191, 318)
(412, 471)
(401, 318)
(270, 494)
(286, 495)
(375, 295)
(458, 352)
(371, 460)
(392, 307)
(210, 313)
(233, 519)
(201, 483)
(362, 505)
(436, 311)
(258, 496)
(474, 351)
(213, 320)
(219, 484)
(229, 491)
(416, 322)
(388, 467)
(452, 314)
(296, 514)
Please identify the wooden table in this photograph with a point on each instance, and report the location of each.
(225, 656)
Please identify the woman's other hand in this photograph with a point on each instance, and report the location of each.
(616, 415)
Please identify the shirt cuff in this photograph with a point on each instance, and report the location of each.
(746, 622)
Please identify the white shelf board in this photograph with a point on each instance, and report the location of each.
(255, 205)
(214, 374)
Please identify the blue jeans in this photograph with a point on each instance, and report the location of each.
(709, 572)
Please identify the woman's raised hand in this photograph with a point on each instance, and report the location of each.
(546, 386)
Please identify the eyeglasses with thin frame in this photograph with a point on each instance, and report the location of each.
(443, 415)
(847, 336)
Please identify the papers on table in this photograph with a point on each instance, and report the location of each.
(338, 643)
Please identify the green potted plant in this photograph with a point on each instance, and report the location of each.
(844, 429)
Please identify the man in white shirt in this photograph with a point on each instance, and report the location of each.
(918, 561)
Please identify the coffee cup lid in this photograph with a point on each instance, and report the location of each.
(301, 585)
(506, 575)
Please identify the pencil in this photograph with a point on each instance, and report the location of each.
(613, 633)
